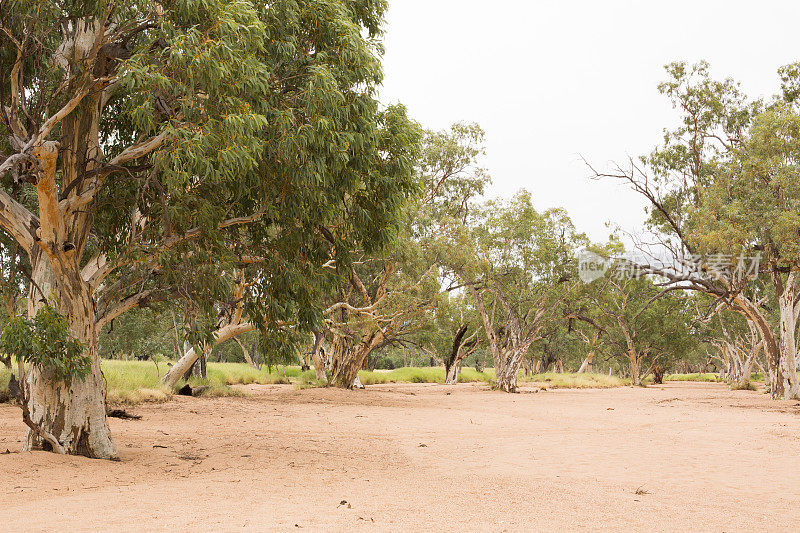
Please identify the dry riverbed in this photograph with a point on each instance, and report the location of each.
(419, 456)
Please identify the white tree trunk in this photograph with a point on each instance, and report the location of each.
(190, 356)
(451, 377)
(786, 373)
(510, 364)
(587, 365)
(73, 414)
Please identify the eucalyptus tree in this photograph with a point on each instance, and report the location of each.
(755, 203)
(517, 264)
(736, 344)
(647, 326)
(705, 186)
(458, 323)
(390, 296)
(148, 149)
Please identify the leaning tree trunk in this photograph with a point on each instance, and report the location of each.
(772, 349)
(67, 417)
(453, 362)
(587, 365)
(185, 363)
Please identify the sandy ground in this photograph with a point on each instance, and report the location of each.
(422, 457)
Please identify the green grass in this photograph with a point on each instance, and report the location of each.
(707, 377)
(4, 376)
(711, 378)
(576, 381)
(470, 375)
(422, 375)
(132, 382)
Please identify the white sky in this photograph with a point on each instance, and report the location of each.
(549, 80)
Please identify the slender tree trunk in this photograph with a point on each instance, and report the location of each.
(246, 353)
(316, 356)
(72, 413)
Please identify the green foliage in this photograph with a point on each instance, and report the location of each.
(755, 200)
(46, 341)
(275, 148)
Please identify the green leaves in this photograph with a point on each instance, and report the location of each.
(46, 341)
(755, 201)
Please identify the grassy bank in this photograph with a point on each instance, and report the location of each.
(131, 382)
(707, 377)
(138, 381)
(470, 375)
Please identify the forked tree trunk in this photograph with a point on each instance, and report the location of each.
(782, 377)
(69, 417)
(454, 360)
(451, 373)
(348, 358)
(73, 414)
(633, 355)
(509, 370)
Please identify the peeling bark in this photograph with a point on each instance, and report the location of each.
(461, 349)
(317, 354)
(348, 358)
(74, 412)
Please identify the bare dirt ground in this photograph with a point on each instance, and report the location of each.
(423, 457)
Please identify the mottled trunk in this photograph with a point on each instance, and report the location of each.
(509, 370)
(349, 357)
(636, 377)
(784, 375)
(317, 356)
(72, 413)
(632, 353)
(451, 373)
(345, 363)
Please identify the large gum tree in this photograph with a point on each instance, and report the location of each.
(149, 149)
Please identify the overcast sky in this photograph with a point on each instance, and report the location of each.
(552, 80)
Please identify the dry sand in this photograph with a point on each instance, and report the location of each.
(423, 457)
